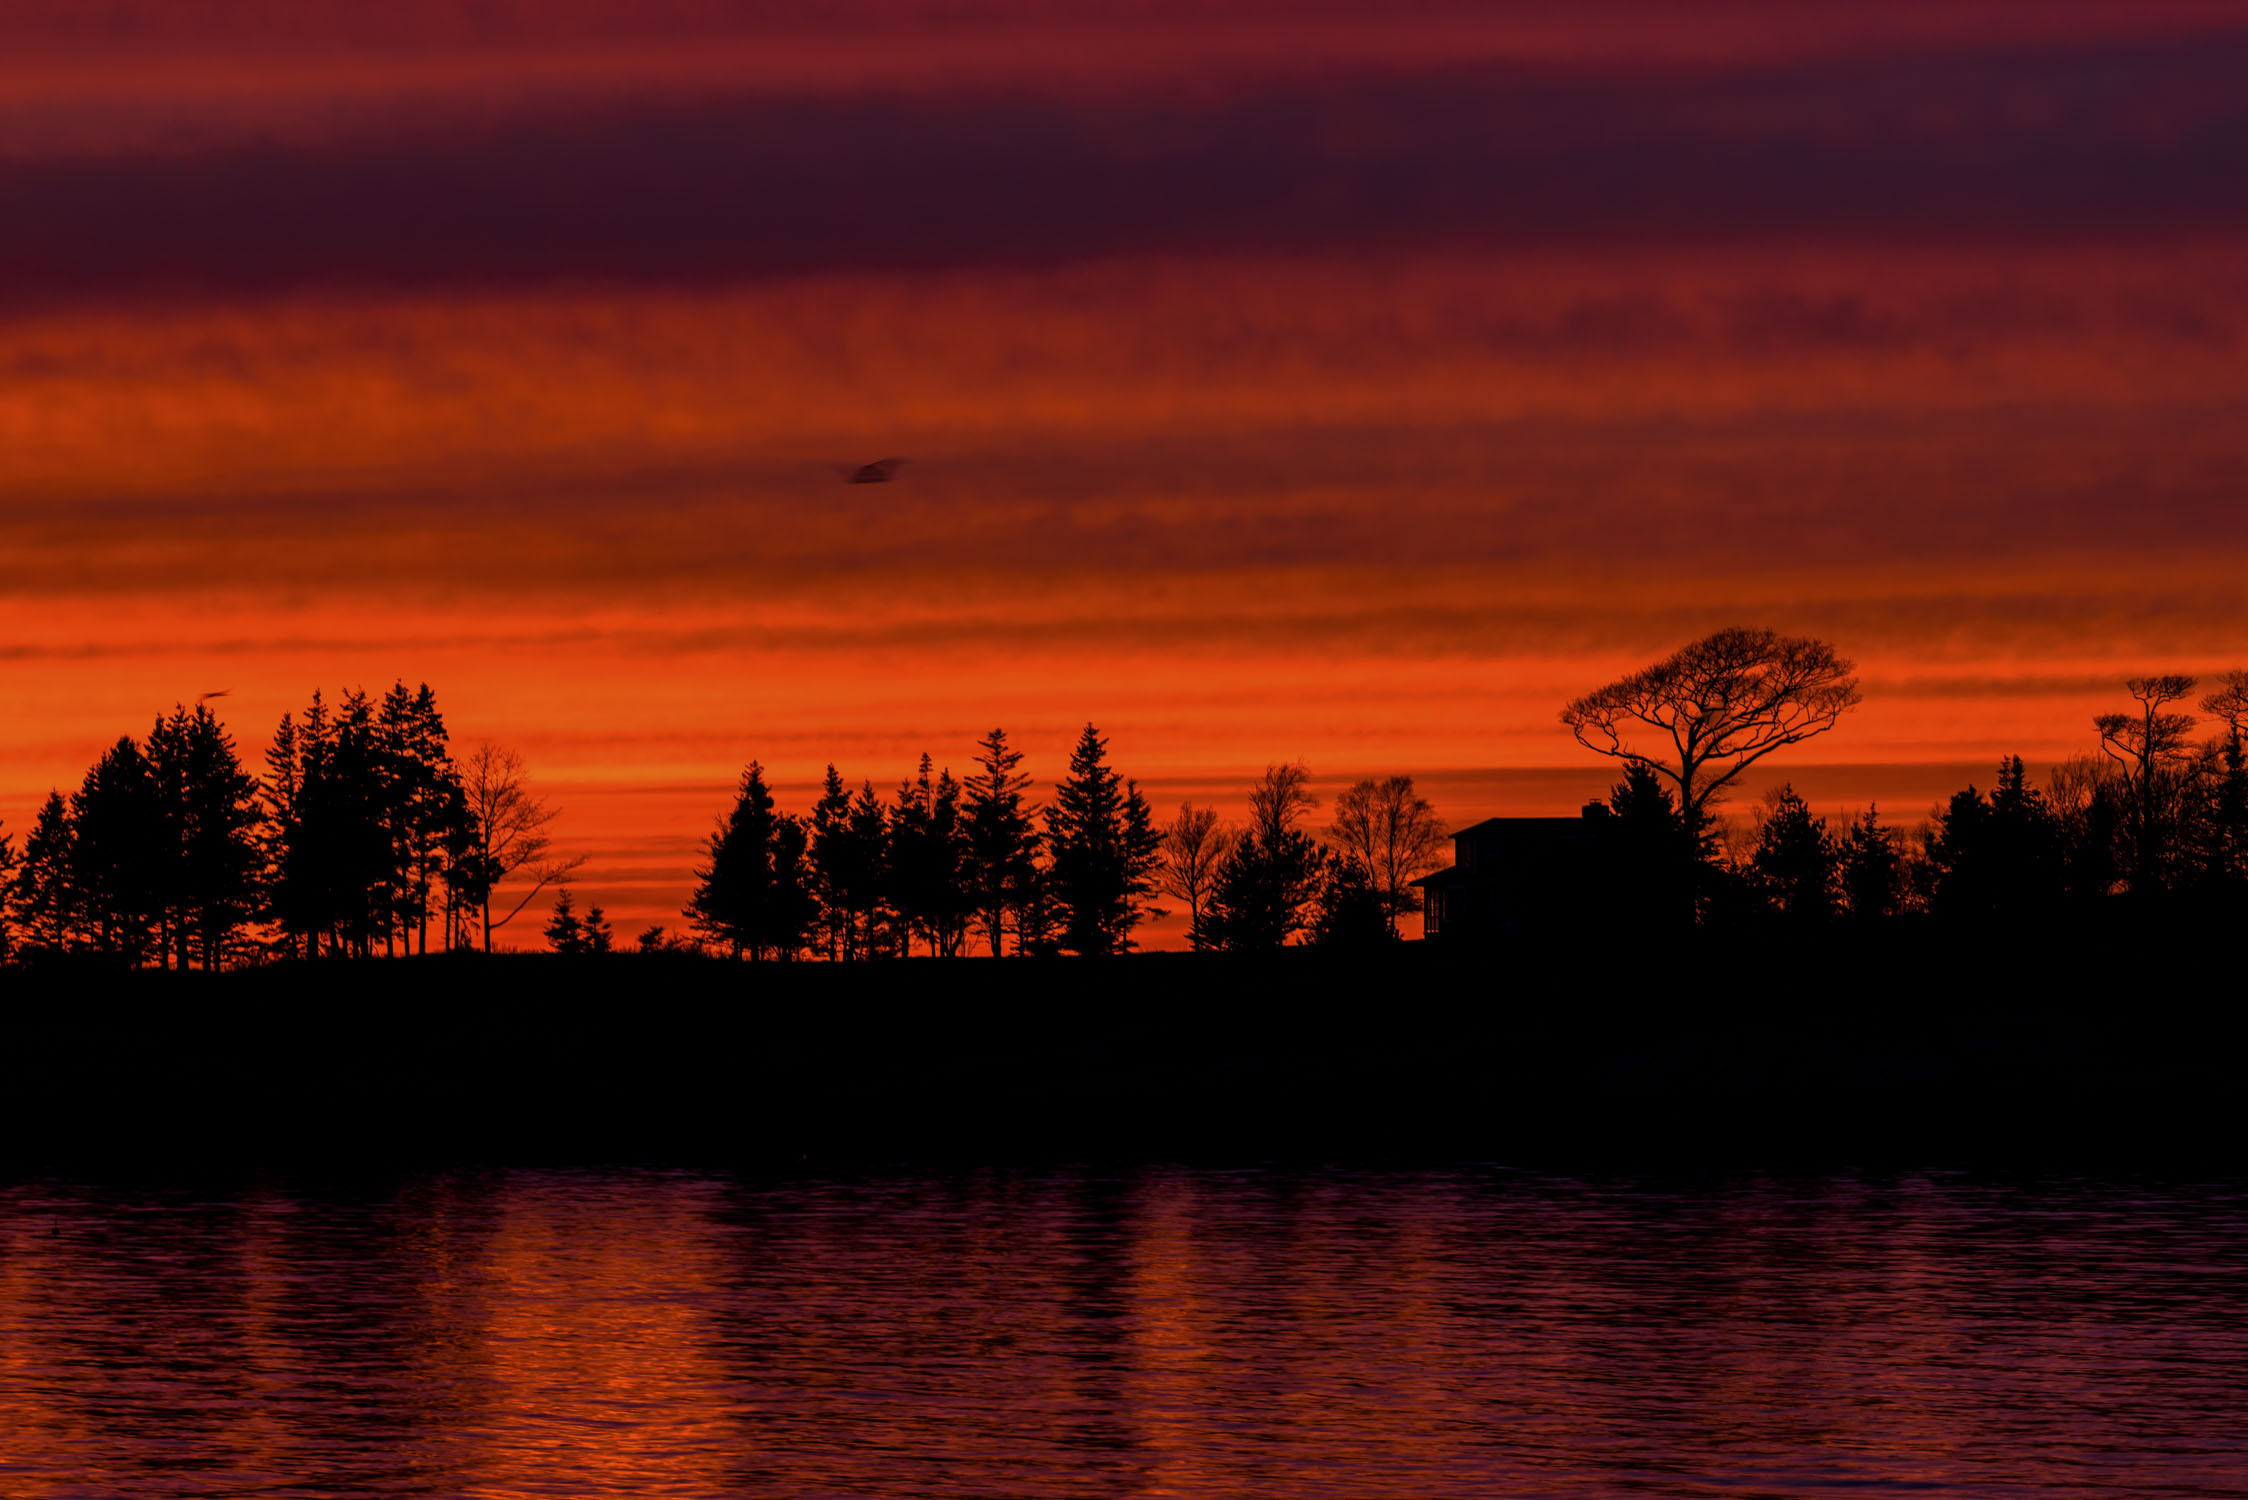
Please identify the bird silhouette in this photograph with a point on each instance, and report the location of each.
(218, 693)
(881, 471)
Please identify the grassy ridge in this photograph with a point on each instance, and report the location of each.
(1905, 1054)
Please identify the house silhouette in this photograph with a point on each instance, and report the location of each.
(1511, 875)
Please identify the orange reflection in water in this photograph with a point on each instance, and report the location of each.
(1189, 1333)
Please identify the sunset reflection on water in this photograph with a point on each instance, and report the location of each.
(1158, 1333)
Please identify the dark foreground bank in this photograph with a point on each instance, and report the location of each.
(2047, 1054)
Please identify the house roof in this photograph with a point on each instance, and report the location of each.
(1532, 828)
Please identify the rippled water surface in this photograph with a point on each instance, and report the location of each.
(1161, 1333)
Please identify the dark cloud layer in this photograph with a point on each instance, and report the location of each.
(2035, 143)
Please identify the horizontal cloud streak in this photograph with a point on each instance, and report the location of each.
(2119, 142)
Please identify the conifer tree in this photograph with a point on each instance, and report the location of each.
(1273, 870)
(948, 893)
(116, 853)
(1353, 912)
(1104, 851)
(831, 860)
(565, 933)
(1002, 841)
(1997, 855)
(795, 909)
(2225, 858)
(1873, 869)
(46, 903)
(597, 936)
(737, 895)
(1795, 859)
(167, 873)
(867, 872)
(914, 857)
(7, 894)
(220, 857)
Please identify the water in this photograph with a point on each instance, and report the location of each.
(1161, 1333)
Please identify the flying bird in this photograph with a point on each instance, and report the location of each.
(881, 471)
(218, 693)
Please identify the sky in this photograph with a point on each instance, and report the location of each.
(1330, 382)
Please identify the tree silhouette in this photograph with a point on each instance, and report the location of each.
(7, 894)
(1392, 832)
(1104, 851)
(733, 890)
(565, 933)
(867, 862)
(2229, 701)
(216, 819)
(1995, 857)
(1723, 703)
(116, 853)
(832, 862)
(46, 902)
(752, 896)
(1002, 842)
(1194, 846)
(1796, 860)
(2089, 803)
(1353, 912)
(510, 835)
(1872, 873)
(1272, 873)
(1653, 857)
(2151, 747)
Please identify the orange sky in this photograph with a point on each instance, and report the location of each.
(1252, 415)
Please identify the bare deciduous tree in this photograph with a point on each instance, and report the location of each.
(1193, 846)
(2151, 747)
(1724, 703)
(1276, 802)
(510, 831)
(1391, 830)
(2230, 702)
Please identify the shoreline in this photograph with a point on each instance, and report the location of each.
(1922, 1054)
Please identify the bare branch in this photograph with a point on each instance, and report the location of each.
(1725, 702)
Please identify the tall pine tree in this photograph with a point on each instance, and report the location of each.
(46, 899)
(1002, 841)
(1104, 850)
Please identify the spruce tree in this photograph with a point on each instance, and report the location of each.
(565, 933)
(7, 894)
(167, 874)
(867, 869)
(913, 857)
(46, 902)
(1104, 851)
(220, 858)
(735, 891)
(948, 894)
(1873, 869)
(1002, 842)
(1795, 859)
(1272, 872)
(1353, 913)
(117, 852)
(831, 858)
(795, 907)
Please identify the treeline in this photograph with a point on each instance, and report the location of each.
(2155, 816)
(944, 866)
(364, 835)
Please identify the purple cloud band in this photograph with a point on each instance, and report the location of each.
(2119, 142)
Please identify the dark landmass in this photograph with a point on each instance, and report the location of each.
(1819, 1050)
